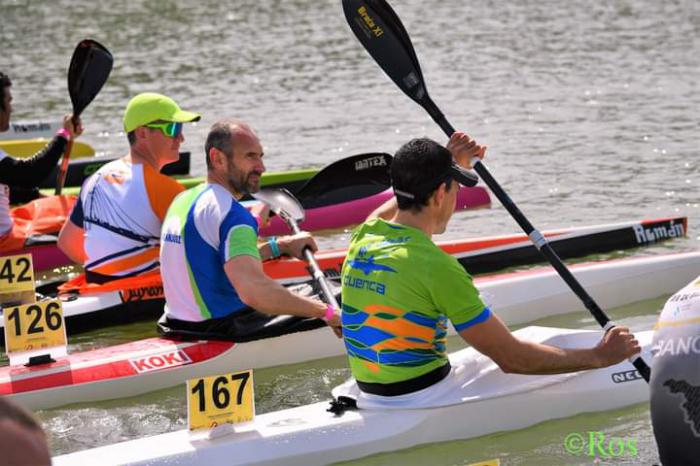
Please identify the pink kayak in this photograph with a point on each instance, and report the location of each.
(34, 226)
(45, 254)
(345, 214)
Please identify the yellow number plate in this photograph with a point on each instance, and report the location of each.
(34, 326)
(16, 274)
(220, 399)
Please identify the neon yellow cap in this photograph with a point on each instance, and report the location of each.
(149, 107)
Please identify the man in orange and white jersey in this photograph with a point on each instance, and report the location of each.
(114, 228)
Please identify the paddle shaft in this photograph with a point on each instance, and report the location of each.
(381, 32)
(315, 268)
(63, 170)
(536, 237)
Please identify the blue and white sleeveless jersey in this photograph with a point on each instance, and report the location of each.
(204, 228)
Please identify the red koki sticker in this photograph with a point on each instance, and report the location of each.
(160, 361)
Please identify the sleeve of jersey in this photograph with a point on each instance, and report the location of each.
(455, 294)
(76, 215)
(238, 235)
(161, 191)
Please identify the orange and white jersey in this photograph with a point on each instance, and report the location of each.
(121, 208)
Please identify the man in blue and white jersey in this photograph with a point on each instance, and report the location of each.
(211, 259)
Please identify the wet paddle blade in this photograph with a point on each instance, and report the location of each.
(88, 71)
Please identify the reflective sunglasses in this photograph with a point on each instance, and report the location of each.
(170, 129)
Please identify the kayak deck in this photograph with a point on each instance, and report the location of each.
(516, 297)
(487, 402)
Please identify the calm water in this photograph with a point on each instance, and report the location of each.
(591, 111)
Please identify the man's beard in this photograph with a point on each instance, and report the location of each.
(244, 185)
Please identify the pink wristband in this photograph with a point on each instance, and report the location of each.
(64, 133)
(330, 313)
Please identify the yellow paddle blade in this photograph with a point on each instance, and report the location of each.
(27, 148)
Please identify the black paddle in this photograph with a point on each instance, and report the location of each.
(88, 71)
(381, 32)
(284, 204)
(347, 179)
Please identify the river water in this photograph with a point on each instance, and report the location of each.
(591, 111)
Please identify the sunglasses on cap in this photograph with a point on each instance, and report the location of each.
(170, 129)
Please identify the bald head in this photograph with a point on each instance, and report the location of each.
(223, 135)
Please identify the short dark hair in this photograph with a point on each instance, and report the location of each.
(419, 168)
(131, 137)
(4, 83)
(220, 137)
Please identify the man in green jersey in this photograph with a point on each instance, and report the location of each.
(399, 289)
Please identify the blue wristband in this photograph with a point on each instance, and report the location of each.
(274, 247)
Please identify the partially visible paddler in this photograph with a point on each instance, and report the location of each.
(675, 378)
(22, 440)
(399, 290)
(211, 258)
(42, 216)
(114, 228)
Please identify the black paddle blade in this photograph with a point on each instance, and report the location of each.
(380, 31)
(382, 34)
(88, 71)
(347, 179)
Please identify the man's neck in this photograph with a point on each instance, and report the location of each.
(137, 155)
(422, 220)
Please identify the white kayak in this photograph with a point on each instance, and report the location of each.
(477, 255)
(156, 363)
(480, 400)
(31, 130)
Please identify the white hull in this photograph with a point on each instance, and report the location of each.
(489, 401)
(517, 298)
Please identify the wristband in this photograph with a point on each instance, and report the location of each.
(329, 314)
(64, 133)
(274, 247)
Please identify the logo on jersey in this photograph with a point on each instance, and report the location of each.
(367, 266)
(690, 401)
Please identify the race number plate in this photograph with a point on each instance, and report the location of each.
(16, 279)
(35, 326)
(220, 399)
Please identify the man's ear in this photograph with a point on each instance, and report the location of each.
(140, 132)
(439, 194)
(216, 157)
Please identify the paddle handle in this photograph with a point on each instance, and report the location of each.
(316, 271)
